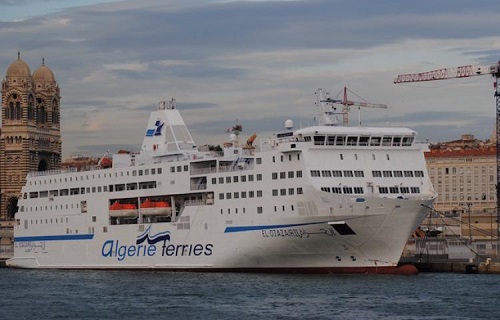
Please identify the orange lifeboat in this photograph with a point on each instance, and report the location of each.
(155, 208)
(106, 163)
(117, 209)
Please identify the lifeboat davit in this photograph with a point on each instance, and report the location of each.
(119, 210)
(156, 208)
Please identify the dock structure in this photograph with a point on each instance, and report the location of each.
(452, 255)
(457, 267)
(6, 244)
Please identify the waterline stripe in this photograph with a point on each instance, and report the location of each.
(89, 236)
(275, 226)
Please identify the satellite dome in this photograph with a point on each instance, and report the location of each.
(43, 74)
(289, 124)
(18, 68)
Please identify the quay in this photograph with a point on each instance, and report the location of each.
(457, 267)
(452, 255)
(6, 243)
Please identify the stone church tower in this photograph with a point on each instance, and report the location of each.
(30, 138)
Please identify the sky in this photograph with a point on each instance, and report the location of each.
(257, 63)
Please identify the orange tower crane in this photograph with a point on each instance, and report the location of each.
(466, 72)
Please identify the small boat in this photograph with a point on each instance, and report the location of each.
(105, 163)
(121, 210)
(155, 208)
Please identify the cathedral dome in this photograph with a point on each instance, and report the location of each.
(18, 68)
(43, 74)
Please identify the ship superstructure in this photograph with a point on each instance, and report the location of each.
(324, 198)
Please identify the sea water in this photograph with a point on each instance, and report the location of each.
(55, 294)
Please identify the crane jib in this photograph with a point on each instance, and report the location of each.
(445, 73)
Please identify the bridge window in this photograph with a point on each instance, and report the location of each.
(363, 141)
(407, 141)
(352, 141)
(396, 142)
(319, 140)
(387, 141)
(330, 140)
(375, 141)
(340, 140)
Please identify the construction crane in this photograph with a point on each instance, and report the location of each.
(466, 72)
(348, 103)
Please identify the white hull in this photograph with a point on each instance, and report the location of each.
(263, 211)
(304, 243)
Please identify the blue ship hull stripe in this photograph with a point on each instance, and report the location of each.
(55, 237)
(275, 226)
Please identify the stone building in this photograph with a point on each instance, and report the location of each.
(463, 172)
(30, 138)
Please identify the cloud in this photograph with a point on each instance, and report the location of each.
(257, 61)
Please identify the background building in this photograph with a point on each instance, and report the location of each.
(30, 138)
(463, 173)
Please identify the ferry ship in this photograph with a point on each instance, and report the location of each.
(326, 198)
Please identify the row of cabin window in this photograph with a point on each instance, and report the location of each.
(259, 209)
(360, 174)
(382, 190)
(337, 173)
(341, 155)
(283, 192)
(47, 208)
(283, 174)
(243, 194)
(135, 173)
(179, 168)
(282, 157)
(229, 211)
(342, 140)
(397, 190)
(236, 179)
(57, 220)
(344, 190)
(75, 191)
(60, 207)
(398, 173)
(237, 195)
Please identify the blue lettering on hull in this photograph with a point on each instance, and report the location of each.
(146, 246)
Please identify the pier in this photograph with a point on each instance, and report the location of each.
(6, 244)
(452, 255)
